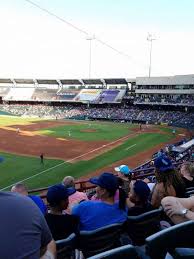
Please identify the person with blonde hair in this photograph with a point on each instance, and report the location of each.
(76, 197)
(187, 173)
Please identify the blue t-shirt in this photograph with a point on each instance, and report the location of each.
(39, 202)
(97, 214)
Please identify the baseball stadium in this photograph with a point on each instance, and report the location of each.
(87, 128)
(96, 147)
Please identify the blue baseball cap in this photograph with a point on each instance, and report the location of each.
(106, 180)
(124, 169)
(57, 193)
(163, 163)
(141, 189)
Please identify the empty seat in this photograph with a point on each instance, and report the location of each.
(127, 251)
(100, 240)
(167, 240)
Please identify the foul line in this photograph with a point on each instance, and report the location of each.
(70, 160)
(130, 147)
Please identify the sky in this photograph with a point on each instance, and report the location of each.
(35, 44)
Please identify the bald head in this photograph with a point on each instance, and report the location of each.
(20, 188)
(69, 181)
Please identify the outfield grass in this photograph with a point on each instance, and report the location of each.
(103, 131)
(11, 120)
(16, 168)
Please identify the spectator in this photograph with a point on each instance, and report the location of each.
(139, 196)
(24, 232)
(21, 189)
(187, 172)
(76, 197)
(124, 175)
(168, 181)
(179, 210)
(151, 181)
(61, 225)
(96, 214)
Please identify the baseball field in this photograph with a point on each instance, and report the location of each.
(77, 148)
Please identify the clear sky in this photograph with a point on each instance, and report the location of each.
(34, 44)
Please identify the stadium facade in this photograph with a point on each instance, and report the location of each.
(152, 100)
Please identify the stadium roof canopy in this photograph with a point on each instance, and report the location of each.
(131, 80)
(92, 81)
(70, 82)
(24, 81)
(6, 81)
(118, 81)
(47, 81)
(171, 80)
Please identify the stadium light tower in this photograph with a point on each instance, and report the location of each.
(150, 39)
(90, 38)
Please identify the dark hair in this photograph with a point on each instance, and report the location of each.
(122, 197)
(168, 178)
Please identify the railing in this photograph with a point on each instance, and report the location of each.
(85, 185)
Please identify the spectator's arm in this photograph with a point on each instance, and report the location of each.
(129, 204)
(49, 252)
(157, 196)
(173, 208)
(46, 237)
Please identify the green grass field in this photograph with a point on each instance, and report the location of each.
(102, 131)
(17, 168)
(13, 120)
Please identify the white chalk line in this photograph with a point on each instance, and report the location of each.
(130, 147)
(68, 161)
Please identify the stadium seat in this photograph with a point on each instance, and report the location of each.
(66, 247)
(189, 189)
(189, 193)
(167, 240)
(183, 253)
(100, 240)
(127, 251)
(144, 225)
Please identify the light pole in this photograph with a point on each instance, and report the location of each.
(90, 54)
(150, 39)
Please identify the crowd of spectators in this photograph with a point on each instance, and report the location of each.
(118, 194)
(126, 113)
(176, 100)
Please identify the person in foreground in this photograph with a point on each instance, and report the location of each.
(179, 210)
(22, 189)
(168, 181)
(97, 214)
(61, 225)
(187, 172)
(76, 197)
(139, 196)
(124, 177)
(24, 232)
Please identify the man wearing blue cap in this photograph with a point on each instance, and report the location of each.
(61, 225)
(97, 214)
